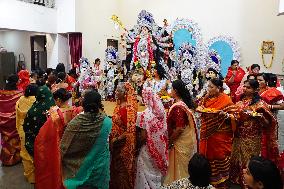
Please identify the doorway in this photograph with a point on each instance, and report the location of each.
(113, 43)
(38, 52)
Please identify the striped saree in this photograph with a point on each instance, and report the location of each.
(216, 136)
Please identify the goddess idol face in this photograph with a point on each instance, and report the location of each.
(144, 30)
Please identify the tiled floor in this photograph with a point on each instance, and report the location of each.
(13, 178)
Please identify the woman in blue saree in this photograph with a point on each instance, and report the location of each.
(85, 147)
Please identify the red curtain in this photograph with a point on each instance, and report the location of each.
(75, 45)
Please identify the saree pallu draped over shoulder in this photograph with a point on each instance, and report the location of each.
(85, 151)
(10, 152)
(184, 147)
(22, 107)
(216, 137)
(123, 167)
(270, 149)
(247, 138)
(48, 174)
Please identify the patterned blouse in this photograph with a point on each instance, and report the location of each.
(184, 184)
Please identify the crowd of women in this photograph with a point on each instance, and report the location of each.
(207, 142)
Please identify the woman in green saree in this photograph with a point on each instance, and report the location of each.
(85, 146)
(36, 116)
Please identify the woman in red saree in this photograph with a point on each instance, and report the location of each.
(10, 152)
(234, 78)
(274, 98)
(182, 131)
(24, 80)
(216, 134)
(48, 174)
(253, 116)
(123, 138)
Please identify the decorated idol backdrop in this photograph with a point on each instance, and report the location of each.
(179, 47)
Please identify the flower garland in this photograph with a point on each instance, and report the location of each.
(263, 49)
(150, 51)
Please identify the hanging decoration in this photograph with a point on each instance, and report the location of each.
(268, 48)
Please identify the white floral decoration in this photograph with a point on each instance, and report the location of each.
(194, 28)
(230, 40)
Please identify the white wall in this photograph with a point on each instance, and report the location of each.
(18, 15)
(52, 50)
(57, 50)
(281, 7)
(248, 21)
(19, 42)
(93, 20)
(65, 16)
(63, 51)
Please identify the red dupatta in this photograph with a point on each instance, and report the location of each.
(270, 134)
(47, 158)
(271, 95)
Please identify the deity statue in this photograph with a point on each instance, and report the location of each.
(188, 69)
(148, 42)
(110, 72)
(85, 79)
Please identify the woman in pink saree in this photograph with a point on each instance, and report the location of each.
(152, 162)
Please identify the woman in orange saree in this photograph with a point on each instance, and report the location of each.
(22, 107)
(253, 116)
(274, 98)
(48, 174)
(10, 152)
(123, 138)
(182, 131)
(216, 134)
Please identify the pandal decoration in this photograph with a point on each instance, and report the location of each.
(221, 50)
(267, 47)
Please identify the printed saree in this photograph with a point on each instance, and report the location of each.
(22, 107)
(85, 151)
(152, 162)
(216, 136)
(247, 138)
(10, 140)
(184, 147)
(36, 116)
(123, 166)
(48, 174)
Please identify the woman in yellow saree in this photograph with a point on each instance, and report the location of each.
(22, 107)
(182, 133)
